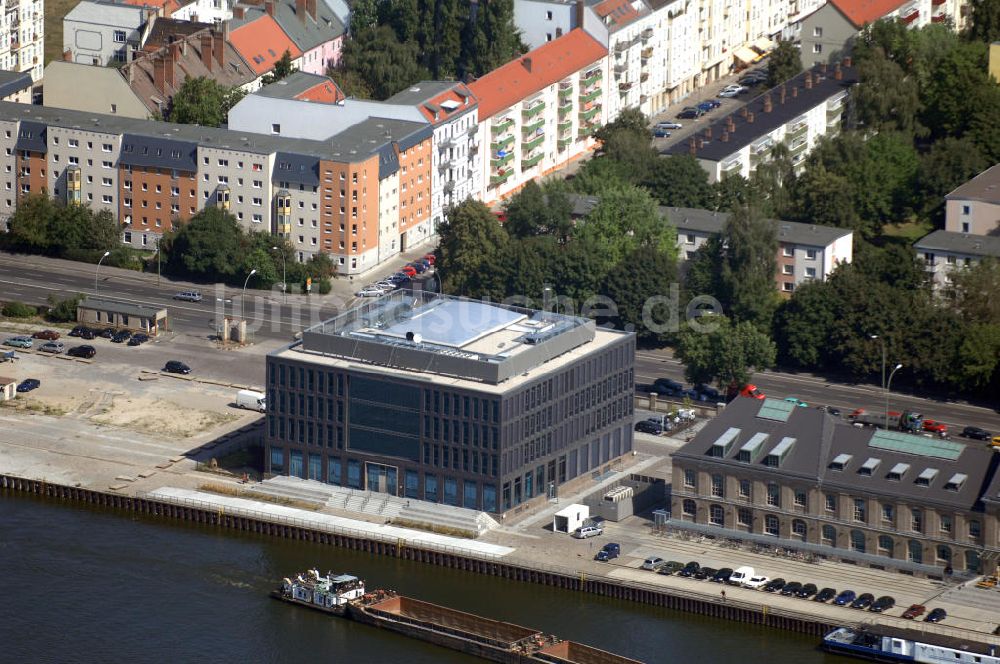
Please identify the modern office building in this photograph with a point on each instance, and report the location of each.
(773, 471)
(796, 113)
(450, 400)
(974, 207)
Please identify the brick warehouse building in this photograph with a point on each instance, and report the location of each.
(450, 400)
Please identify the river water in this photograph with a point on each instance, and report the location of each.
(81, 585)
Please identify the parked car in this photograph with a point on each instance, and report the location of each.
(936, 616)
(732, 91)
(660, 133)
(583, 532)
(87, 333)
(807, 591)
(845, 597)
(825, 595)
(756, 582)
(29, 384)
(690, 113)
(976, 433)
(653, 563)
(188, 296)
(722, 575)
(54, 347)
(666, 124)
(609, 551)
(667, 387)
(408, 270)
(933, 426)
(753, 78)
(774, 585)
(49, 335)
(174, 366)
(670, 567)
(19, 342)
(430, 258)
(107, 333)
(915, 611)
(689, 569)
(419, 267)
(708, 393)
(75, 332)
(710, 104)
(705, 573)
(370, 291)
(705, 106)
(740, 576)
(121, 336)
(791, 588)
(863, 601)
(138, 338)
(84, 351)
(882, 604)
(646, 426)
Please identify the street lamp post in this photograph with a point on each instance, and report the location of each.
(97, 270)
(284, 279)
(243, 299)
(887, 384)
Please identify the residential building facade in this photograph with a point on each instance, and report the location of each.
(101, 32)
(94, 89)
(22, 37)
(796, 114)
(944, 252)
(774, 472)
(483, 406)
(974, 207)
(15, 86)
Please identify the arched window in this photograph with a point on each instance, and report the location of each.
(971, 561)
(689, 507)
(716, 516)
(771, 524)
(915, 552)
(799, 529)
(885, 546)
(944, 553)
(829, 535)
(857, 541)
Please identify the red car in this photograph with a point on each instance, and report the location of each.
(408, 271)
(430, 258)
(49, 335)
(934, 426)
(752, 392)
(915, 611)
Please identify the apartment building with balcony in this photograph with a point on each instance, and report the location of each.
(944, 252)
(457, 163)
(22, 37)
(974, 207)
(539, 111)
(797, 114)
(771, 472)
(828, 33)
(675, 60)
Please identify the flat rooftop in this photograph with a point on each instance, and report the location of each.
(450, 340)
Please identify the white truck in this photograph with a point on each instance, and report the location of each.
(251, 400)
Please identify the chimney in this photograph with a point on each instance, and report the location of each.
(781, 95)
(207, 43)
(693, 147)
(731, 125)
(822, 68)
(238, 12)
(767, 103)
(68, 55)
(175, 51)
(168, 68)
(809, 80)
(159, 75)
(837, 73)
(527, 62)
(300, 10)
(725, 136)
(269, 7)
(182, 43)
(581, 10)
(847, 61)
(311, 9)
(744, 111)
(708, 133)
(194, 18)
(129, 73)
(795, 91)
(219, 45)
(750, 118)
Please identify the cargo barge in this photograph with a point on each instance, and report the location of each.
(882, 643)
(344, 595)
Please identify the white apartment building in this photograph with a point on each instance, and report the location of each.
(944, 252)
(204, 11)
(974, 207)
(797, 113)
(22, 37)
(101, 32)
(539, 112)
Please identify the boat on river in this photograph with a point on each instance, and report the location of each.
(884, 643)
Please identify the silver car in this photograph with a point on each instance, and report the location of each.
(52, 347)
(188, 296)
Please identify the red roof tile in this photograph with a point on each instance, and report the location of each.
(262, 43)
(549, 63)
(441, 101)
(859, 12)
(322, 93)
(616, 12)
(168, 6)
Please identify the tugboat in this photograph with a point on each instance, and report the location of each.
(890, 644)
(331, 593)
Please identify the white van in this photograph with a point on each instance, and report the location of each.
(251, 400)
(740, 576)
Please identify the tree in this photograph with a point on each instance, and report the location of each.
(728, 354)
(471, 245)
(948, 163)
(208, 246)
(974, 292)
(801, 325)
(784, 63)
(385, 64)
(350, 82)
(985, 21)
(703, 273)
(748, 270)
(492, 38)
(625, 219)
(679, 181)
(644, 273)
(828, 199)
(29, 225)
(631, 121)
(282, 68)
(954, 78)
(200, 101)
(537, 210)
(886, 98)
(979, 357)
(63, 310)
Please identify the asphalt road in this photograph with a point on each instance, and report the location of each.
(816, 390)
